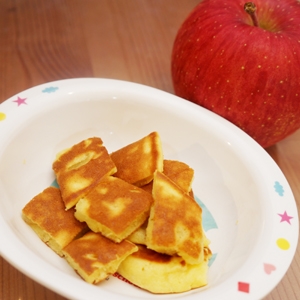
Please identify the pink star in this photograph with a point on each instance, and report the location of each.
(285, 217)
(20, 101)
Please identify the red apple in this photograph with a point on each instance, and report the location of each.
(244, 67)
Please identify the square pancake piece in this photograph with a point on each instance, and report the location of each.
(114, 207)
(137, 162)
(79, 168)
(175, 222)
(47, 216)
(94, 257)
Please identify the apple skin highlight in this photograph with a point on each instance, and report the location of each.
(250, 75)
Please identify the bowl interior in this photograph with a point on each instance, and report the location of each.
(228, 182)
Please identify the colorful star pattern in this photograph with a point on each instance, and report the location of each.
(20, 101)
(285, 217)
(208, 220)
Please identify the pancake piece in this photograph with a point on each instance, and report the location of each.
(46, 215)
(148, 187)
(115, 208)
(139, 235)
(79, 168)
(137, 162)
(175, 222)
(161, 273)
(178, 172)
(95, 257)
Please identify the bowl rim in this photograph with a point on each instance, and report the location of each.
(9, 251)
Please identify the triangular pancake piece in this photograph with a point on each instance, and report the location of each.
(178, 172)
(80, 168)
(137, 162)
(175, 222)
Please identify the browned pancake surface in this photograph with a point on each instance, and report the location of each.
(137, 162)
(80, 168)
(175, 223)
(114, 207)
(178, 172)
(46, 214)
(153, 256)
(95, 257)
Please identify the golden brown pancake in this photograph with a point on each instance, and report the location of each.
(154, 209)
(95, 257)
(46, 215)
(178, 172)
(79, 168)
(175, 222)
(161, 273)
(137, 162)
(114, 207)
(139, 235)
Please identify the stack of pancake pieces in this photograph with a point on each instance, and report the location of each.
(130, 212)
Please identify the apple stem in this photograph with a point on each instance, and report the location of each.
(250, 8)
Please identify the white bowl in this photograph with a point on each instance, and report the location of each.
(249, 211)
